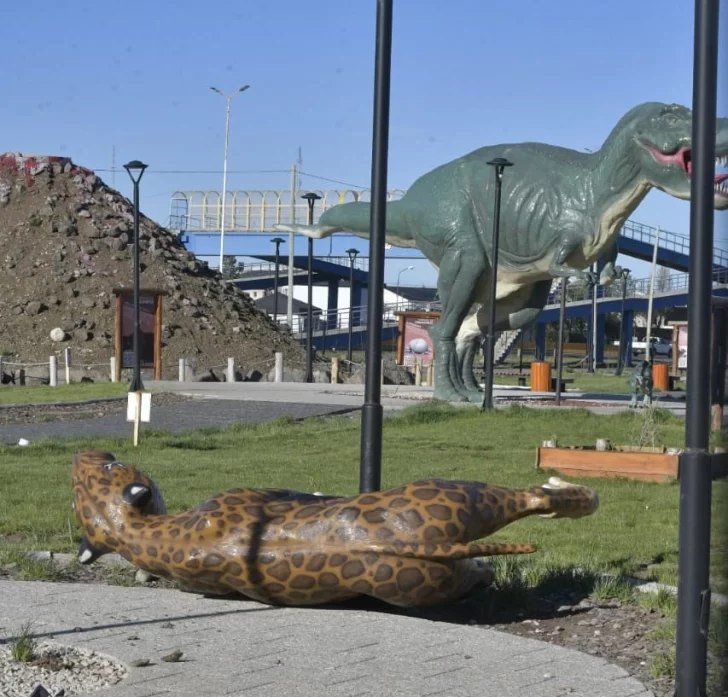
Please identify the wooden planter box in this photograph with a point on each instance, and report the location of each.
(628, 462)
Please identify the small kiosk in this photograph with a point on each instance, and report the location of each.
(150, 329)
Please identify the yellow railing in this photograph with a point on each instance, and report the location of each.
(254, 211)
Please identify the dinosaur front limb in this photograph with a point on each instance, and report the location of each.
(558, 268)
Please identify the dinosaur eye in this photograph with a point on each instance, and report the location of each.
(108, 466)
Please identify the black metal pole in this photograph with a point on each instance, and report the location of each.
(620, 355)
(560, 347)
(277, 241)
(499, 164)
(137, 167)
(309, 314)
(695, 466)
(136, 384)
(311, 198)
(351, 309)
(370, 470)
(520, 354)
(591, 363)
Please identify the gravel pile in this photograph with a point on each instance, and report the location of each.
(58, 668)
(66, 241)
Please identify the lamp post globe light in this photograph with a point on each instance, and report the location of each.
(277, 241)
(499, 164)
(352, 253)
(311, 199)
(135, 170)
(227, 98)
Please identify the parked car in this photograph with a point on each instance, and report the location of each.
(660, 346)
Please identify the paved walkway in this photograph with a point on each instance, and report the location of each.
(221, 404)
(173, 417)
(245, 649)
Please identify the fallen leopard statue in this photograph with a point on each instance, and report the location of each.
(408, 546)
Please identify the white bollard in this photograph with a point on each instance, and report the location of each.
(53, 361)
(231, 370)
(67, 359)
(278, 377)
(112, 368)
(182, 369)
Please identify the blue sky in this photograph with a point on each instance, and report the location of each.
(86, 77)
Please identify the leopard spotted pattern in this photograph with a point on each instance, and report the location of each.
(412, 545)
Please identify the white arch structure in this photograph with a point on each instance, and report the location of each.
(255, 211)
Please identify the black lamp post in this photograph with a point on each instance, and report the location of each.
(499, 164)
(352, 257)
(560, 341)
(277, 241)
(591, 339)
(135, 169)
(311, 198)
(620, 359)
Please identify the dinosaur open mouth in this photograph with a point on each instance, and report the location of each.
(683, 158)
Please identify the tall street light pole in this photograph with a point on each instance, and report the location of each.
(135, 169)
(620, 358)
(499, 164)
(224, 164)
(311, 198)
(401, 271)
(277, 241)
(352, 258)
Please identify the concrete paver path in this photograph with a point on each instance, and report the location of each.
(246, 649)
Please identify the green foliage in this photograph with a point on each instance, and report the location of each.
(23, 645)
(429, 440)
(662, 665)
(62, 393)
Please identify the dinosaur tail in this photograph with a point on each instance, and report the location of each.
(441, 551)
(355, 218)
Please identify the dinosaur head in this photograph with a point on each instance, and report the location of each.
(108, 498)
(664, 143)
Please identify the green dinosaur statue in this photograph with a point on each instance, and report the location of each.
(561, 211)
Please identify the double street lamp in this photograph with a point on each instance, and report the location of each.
(277, 241)
(499, 164)
(311, 198)
(135, 169)
(227, 98)
(352, 258)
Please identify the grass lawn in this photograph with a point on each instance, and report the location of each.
(75, 392)
(634, 531)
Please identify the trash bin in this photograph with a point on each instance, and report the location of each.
(661, 376)
(540, 376)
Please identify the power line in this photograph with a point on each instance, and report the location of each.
(205, 171)
(239, 171)
(334, 181)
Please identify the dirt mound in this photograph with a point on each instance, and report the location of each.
(66, 243)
